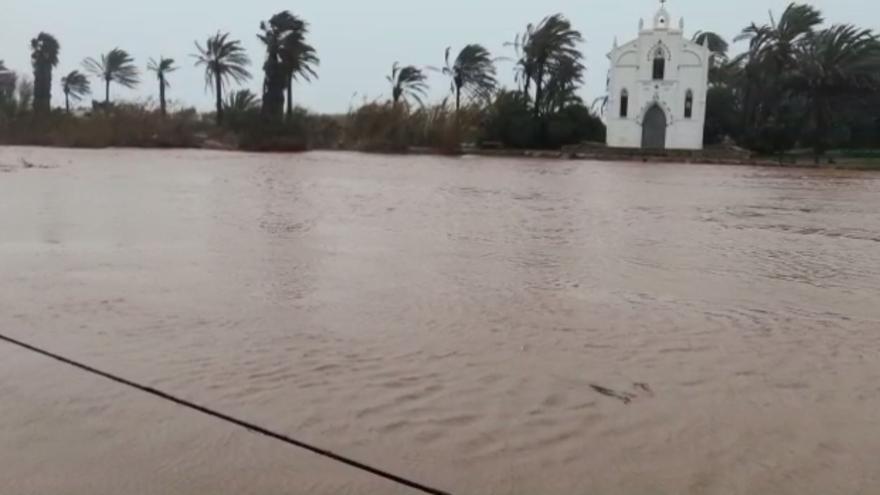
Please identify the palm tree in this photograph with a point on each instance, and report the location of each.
(223, 59)
(778, 40)
(553, 43)
(44, 57)
(76, 85)
(115, 66)
(770, 57)
(272, 35)
(472, 71)
(288, 57)
(162, 68)
(713, 41)
(525, 67)
(299, 60)
(407, 82)
(242, 100)
(566, 76)
(836, 62)
(718, 48)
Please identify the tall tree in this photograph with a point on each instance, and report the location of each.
(223, 60)
(114, 66)
(718, 48)
(552, 44)
(566, 76)
(525, 66)
(299, 61)
(272, 35)
(472, 72)
(770, 59)
(288, 57)
(162, 68)
(841, 61)
(407, 83)
(44, 57)
(75, 85)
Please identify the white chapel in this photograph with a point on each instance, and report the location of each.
(657, 88)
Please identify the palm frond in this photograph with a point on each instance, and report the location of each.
(76, 85)
(45, 50)
(713, 41)
(242, 101)
(408, 82)
(114, 66)
(162, 68)
(224, 59)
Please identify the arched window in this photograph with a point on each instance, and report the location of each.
(659, 65)
(624, 103)
(689, 104)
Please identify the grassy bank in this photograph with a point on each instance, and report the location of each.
(374, 126)
(122, 126)
(502, 129)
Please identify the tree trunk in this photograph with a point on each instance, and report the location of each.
(539, 91)
(457, 99)
(219, 92)
(42, 102)
(820, 146)
(162, 95)
(274, 85)
(107, 92)
(67, 102)
(289, 97)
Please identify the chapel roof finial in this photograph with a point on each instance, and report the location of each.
(661, 19)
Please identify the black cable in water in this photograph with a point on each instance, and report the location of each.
(229, 419)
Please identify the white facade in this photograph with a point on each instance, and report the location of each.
(657, 89)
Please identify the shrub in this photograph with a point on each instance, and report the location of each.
(510, 121)
(298, 132)
(125, 125)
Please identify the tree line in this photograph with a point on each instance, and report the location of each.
(798, 83)
(223, 59)
(548, 60)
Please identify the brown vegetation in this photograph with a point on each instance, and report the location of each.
(120, 126)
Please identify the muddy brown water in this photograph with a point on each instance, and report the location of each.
(481, 325)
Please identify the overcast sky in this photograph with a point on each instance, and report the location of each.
(357, 40)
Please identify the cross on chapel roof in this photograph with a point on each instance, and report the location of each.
(662, 19)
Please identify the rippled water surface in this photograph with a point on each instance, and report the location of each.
(446, 319)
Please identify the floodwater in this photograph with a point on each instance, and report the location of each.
(480, 325)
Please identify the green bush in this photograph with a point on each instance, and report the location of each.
(574, 124)
(510, 121)
(299, 131)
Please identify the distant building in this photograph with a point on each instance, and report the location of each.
(657, 88)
